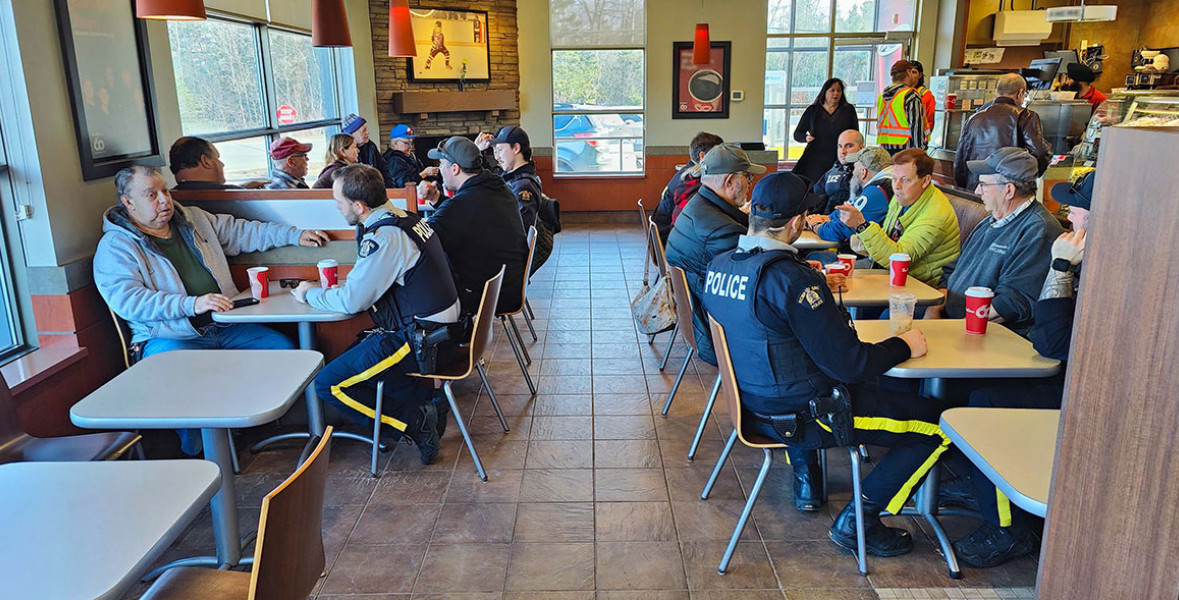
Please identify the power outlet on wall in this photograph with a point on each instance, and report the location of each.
(737, 95)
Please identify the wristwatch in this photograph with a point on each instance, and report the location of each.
(1062, 265)
(862, 227)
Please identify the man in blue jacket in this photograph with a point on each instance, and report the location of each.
(869, 188)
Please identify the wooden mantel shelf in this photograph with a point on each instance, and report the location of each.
(436, 102)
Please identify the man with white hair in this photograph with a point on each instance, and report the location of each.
(1003, 123)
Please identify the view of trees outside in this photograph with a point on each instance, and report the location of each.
(597, 23)
(797, 67)
(598, 78)
(220, 85)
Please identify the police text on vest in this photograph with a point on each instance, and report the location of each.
(726, 285)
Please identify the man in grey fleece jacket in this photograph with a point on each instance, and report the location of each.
(161, 267)
(1010, 250)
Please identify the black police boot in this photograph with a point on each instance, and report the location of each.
(442, 407)
(958, 492)
(990, 545)
(423, 430)
(879, 539)
(808, 479)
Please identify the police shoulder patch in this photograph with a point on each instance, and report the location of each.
(367, 247)
(810, 297)
(525, 195)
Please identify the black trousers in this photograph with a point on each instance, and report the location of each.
(350, 381)
(905, 424)
(1008, 393)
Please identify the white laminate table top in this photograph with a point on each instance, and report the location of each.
(200, 389)
(809, 241)
(954, 353)
(1014, 447)
(279, 307)
(90, 530)
(870, 287)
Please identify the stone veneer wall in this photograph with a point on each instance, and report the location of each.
(392, 73)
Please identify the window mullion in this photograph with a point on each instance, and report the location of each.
(267, 85)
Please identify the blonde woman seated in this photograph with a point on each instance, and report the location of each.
(342, 151)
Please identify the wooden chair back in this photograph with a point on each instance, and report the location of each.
(683, 305)
(124, 331)
(10, 427)
(527, 269)
(484, 317)
(724, 365)
(658, 256)
(643, 215)
(289, 556)
(967, 207)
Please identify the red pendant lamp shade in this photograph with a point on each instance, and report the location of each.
(400, 30)
(329, 24)
(173, 10)
(701, 47)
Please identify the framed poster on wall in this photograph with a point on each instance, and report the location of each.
(108, 71)
(451, 45)
(700, 91)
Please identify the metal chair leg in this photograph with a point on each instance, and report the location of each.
(237, 468)
(528, 307)
(720, 463)
(761, 478)
(519, 358)
(670, 343)
(823, 469)
(650, 338)
(704, 417)
(528, 319)
(458, 419)
(377, 412)
(520, 340)
(858, 498)
(676, 386)
(491, 396)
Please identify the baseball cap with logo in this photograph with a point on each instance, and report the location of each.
(458, 150)
(727, 158)
(1078, 193)
(512, 134)
(779, 197)
(874, 158)
(1012, 163)
(351, 123)
(401, 132)
(285, 147)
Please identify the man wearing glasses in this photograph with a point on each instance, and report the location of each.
(290, 165)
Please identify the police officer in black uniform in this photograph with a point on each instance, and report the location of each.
(791, 345)
(513, 155)
(401, 278)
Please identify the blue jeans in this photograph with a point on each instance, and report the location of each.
(218, 336)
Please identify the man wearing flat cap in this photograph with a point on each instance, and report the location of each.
(1080, 79)
(799, 365)
(1010, 250)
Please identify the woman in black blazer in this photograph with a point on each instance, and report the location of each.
(819, 128)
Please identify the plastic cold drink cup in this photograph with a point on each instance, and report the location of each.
(898, 269)
(850, 261)
(901, 306)
(978, 308)
(329, 271)
(259, 282)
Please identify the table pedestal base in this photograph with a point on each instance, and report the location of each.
(926, 500)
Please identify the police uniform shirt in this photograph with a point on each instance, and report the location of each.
(793, 297)
(386, 255)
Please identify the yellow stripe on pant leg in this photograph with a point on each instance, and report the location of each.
(896, 426)
(365, 375)
(1004, 507)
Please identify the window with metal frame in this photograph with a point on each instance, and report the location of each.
(11, 335)
(810, 41)
(241, 85)
(598, 61)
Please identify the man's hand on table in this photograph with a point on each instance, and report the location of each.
(212, 302)
(850, 215)
(300, 292)
(313, 238)
(916, 341)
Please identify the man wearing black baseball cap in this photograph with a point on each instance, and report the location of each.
(791, 343)
(1009, 251)
(1006, 532)
(513, 153)
(479, 225)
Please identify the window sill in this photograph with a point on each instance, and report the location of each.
(599, 175)
(35, 367)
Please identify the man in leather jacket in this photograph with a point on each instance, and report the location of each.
(1001, 124)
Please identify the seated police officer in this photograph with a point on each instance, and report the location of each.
(402, 280)
(791, 345)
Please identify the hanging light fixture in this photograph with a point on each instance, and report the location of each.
(400, 30)
(329, 24)
(701, 46)
(172, 10)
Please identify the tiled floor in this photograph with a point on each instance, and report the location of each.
(591, 492)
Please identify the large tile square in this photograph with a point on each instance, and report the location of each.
(375, 569)
(464, 568)
(551, 567)
(640, 566)
(627, 454)
(634, 522)
(555, 522)
(560, 454)
(622, 485)
(557, 485)
(482, 522)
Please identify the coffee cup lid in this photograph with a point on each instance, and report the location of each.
(256, 269)
(328, 262)
(979, 291)
(899, 256)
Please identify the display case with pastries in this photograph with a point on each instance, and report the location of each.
(1114, 111)
(1153, 111)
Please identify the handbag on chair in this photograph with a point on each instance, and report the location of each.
(654, 307)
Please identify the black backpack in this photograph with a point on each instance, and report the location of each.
(549, 211)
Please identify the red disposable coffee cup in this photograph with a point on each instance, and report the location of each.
(329, 271)
(259, 282)
(850, 261)
(837, 268)
(898, 269)
(978, 308)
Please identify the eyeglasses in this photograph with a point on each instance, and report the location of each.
(289, 282)
(985, 184)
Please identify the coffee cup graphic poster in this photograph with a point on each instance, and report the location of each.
(701, 91)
